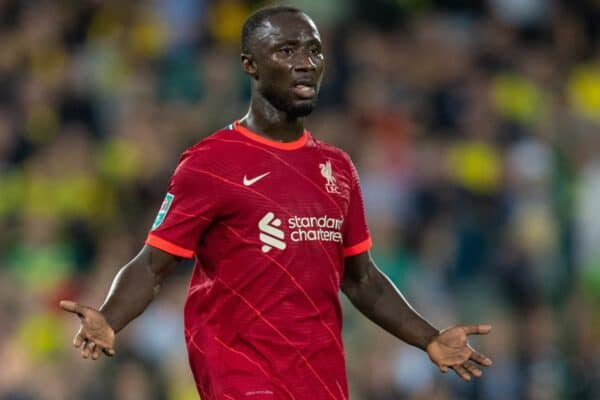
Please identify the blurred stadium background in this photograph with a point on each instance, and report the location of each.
(475, 126)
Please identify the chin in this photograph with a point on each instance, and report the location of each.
(299, 112)
(301, 109)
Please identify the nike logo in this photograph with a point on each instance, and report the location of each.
(248, 182)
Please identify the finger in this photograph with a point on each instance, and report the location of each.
(481, 329)
(462, 372)
(72, 307)
(109, 352)
(480, 359)
(96, 353)
(78, 340)
(458, 358)
(443, 369)
(88, 349)
(83, 344)
(472, 368)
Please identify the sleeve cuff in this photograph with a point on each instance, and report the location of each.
(168, 247)
(358, 248)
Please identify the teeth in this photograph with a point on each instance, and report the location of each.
(304, 90)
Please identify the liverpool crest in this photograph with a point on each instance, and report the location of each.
(327, 173)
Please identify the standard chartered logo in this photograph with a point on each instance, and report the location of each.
(301, 229)
(270, 234)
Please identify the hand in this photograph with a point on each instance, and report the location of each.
(95, 334)
(450, 350)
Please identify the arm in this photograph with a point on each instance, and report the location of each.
(190, 205)
(132, 290)
(135, 286)
(374, 295)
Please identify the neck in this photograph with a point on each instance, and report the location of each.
(266, 120)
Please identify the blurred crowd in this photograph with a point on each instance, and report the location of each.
(475, 126)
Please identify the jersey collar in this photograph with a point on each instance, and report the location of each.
(296, 144)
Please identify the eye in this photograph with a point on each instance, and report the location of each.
(315, 51)
(287, 50)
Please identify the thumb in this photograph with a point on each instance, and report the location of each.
(480, 329)
(72, 307)
(109, 352)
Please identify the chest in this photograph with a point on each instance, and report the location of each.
(310, 184)
(291, 205)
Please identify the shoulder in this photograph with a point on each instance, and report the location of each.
(333, 152)
(211, 148)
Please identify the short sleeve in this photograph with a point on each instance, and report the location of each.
(189, 207)
(357, 238)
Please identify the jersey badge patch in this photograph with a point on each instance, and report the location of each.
(164, 208)
(327, 172)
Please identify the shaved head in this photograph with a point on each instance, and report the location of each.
(282, 53)
(257, 19)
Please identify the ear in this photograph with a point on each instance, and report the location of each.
(249, 65)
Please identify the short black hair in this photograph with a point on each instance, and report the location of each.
(257, 18)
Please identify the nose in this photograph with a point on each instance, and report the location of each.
(305, 61)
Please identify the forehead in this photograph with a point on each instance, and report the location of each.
(287, 26)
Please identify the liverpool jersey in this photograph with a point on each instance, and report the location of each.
(269, 224)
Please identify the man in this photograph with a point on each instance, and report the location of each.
(276, 223)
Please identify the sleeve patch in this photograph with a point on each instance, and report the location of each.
(164, 209)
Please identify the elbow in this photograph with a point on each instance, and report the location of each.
(156, 290)
(365, 291)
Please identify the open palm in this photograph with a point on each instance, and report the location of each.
(450, 349)
(95, 334)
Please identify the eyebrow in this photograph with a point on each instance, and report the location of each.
(281, 41)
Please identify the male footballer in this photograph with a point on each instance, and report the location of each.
(275, 221)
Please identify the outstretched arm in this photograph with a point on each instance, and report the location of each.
(374, 295)
(132, 290)
(136, 285)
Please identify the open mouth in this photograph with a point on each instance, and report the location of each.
(304, 90)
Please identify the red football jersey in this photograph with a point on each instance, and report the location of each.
(269, 224)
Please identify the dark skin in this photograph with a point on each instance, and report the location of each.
(132, 290)
(286, 52)
(286, 65)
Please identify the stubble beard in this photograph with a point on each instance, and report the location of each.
(285, 104)
(301, 111)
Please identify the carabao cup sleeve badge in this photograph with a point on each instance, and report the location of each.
(164, 209)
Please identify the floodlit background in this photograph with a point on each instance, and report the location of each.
(475, 128)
